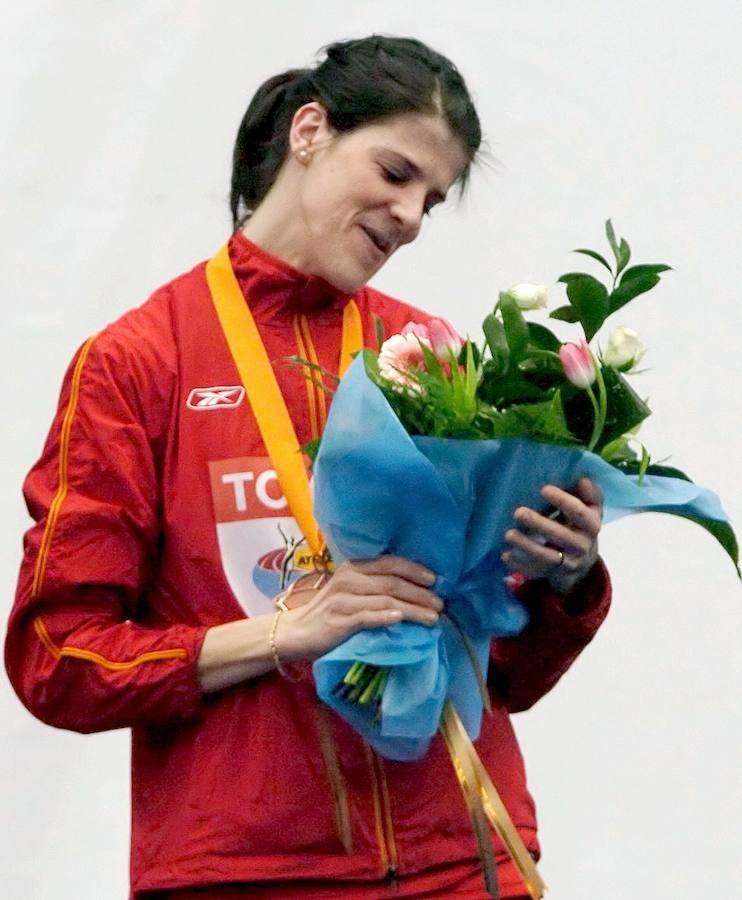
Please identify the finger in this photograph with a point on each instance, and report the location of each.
(395, 565)
(401, 589)
(525, 550)
(351, 581)
(553, 531)
(383, 603)
(520, 563)
(591, 493)
(372, 618)
(584, 517)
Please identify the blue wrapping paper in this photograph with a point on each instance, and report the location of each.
(445, 503)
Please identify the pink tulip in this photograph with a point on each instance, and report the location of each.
(443, 339)
(578, 364)
(415, 328)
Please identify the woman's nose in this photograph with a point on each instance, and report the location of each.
(408, 210)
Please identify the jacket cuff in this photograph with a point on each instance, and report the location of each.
(581, 611)
(184, 691)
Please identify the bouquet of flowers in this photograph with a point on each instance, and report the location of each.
(431, 443)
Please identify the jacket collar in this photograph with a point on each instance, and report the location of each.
(273, 288)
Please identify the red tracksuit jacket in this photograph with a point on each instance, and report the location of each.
(158, 516)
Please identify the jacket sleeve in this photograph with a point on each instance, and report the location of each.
(524, 668)
(74, 652)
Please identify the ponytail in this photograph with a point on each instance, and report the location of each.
(262, 139)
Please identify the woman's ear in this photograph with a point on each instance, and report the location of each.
(310, 130)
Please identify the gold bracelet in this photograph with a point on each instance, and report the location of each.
(280, 602)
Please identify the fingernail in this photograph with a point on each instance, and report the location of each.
(432, 617)
(430, 577)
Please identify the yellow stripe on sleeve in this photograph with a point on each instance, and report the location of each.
(90, 656)
(64, 449)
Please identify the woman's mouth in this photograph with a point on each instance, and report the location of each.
(377, 240)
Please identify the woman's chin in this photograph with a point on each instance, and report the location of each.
(350, 279)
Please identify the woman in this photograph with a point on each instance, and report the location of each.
(144, 598)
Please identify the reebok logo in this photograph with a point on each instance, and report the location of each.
(219, 397)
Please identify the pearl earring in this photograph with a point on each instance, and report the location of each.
(303, 155)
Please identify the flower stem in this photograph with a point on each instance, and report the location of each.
(600, 407)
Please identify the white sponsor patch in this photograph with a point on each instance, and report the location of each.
(219, 397)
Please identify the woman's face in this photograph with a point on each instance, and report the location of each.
(362, 194)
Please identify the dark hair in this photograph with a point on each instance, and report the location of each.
(358, 82)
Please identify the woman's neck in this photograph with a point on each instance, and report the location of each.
(278, 227)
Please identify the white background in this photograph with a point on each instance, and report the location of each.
(117, 126)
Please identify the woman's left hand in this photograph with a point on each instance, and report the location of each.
(562, 549)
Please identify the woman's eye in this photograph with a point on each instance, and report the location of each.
(392, 176)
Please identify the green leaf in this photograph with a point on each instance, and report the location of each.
(643, 464)
(432, 363)
(494, 333)
(601, 259)
(722, 531)
(611, 235)
(724, 534)
(379, 328)
(618, 451)
(572, 276)
(315, 367)
(564, 314)
(516, 328)
(589, 299)
(624, 255)
(627, 290)
(626, 409)
(647, 269)
(475, 351)
(541, 361)
(542, 337)
(471, 378)
(632, 467)
(311, 448)
(538, 421)
(371, 364)
(500, 390)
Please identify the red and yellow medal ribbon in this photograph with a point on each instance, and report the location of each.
(263, 393)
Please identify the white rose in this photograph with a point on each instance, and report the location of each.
(529, 296)
(624, 349)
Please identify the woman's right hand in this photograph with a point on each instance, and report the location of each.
(360, 594)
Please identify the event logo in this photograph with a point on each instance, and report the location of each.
(261, 546)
